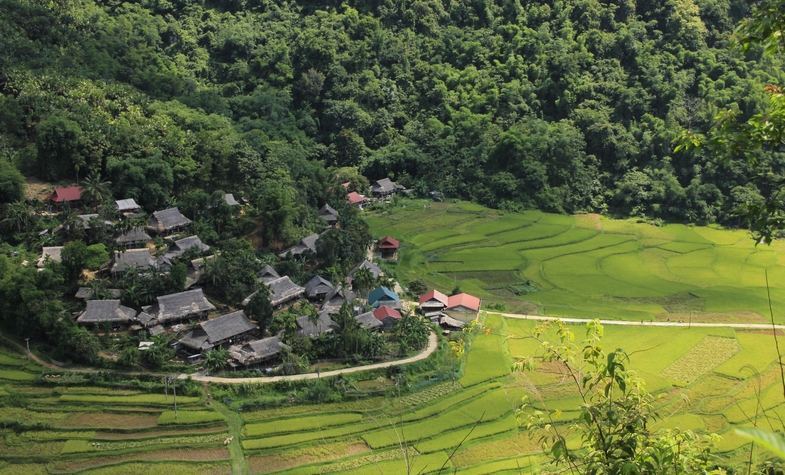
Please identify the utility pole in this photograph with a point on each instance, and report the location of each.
(27, 341)
(174, 391)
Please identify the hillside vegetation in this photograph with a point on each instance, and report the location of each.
(566, 105)
(586, 265)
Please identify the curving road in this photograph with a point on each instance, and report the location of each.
(630, 323)
(433, 344)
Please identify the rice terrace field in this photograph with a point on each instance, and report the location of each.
(586, 265)
(442, 415)
(704, 379)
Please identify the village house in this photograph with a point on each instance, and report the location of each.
(139, 260)
(383, 296)
(388, 247)
(387, 315)
(462, 303)
(433, 303)
(307, 245)
(356, 199)
(318, 288)
(187, 305)
(368, 321)
(450, 324)
(50, 254)
(335, 300)
(220, 331)
(267, 274)
(314, 328)
(133, 237)
(181, 246)
(127, 206)
(282, 291)
(88, 220)
(371, 267)
(328, 214)
(256, 351)
(66, 194)
(384, 187)
(167, 221)
(229, 200)
(87, 293)
(106, 312)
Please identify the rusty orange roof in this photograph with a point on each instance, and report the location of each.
(463, 300)
(434, 295)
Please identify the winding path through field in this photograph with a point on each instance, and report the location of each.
(630, 323)
(433, 344)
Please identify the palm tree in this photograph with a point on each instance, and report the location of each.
(96, 191)
(17, 216)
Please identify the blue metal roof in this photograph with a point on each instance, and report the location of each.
(381, 293)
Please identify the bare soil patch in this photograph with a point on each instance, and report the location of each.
(592, 220)
(36, 189)
(106, 420)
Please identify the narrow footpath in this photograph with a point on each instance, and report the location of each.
(433, 344)
(629, 323)
(235, 424)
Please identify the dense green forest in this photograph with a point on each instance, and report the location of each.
(569, 105)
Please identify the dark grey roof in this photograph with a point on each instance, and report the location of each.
(182, 305)
(145, 318)
(306, 244)
(268, 273)
(156, 330)
(227, 326)
(385, 185)
(375, 270)
(50, 252)
(317, 286)
(134, 259)
(191, 242)
(128, 204)
(368, 321)
(181, 246)
(196, 339)
(100, 311)
(328, 213)
(257, 350)
(283, 289)
(324, 324)
(449, 322)
(168, 219)
(88, 218)
(85, 293)
(335, 299)
(229, 200)
(133, 236)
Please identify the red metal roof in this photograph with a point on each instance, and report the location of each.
(355, 198)
(434, 295)
(463, 300)
(384, 312)
(67, 193)
(389, 242)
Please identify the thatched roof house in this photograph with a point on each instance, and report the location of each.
(218, 331)
(106, 311)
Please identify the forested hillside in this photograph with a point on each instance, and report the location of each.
(563, 105)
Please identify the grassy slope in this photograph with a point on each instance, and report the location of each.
(585, 265)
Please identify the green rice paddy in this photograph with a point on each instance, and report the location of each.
(707, 380)
(585, 265)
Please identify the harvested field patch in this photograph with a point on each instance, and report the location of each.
(147, 434)
(158, 468)
(190, 455)
(130, 399)
(78, 446)
(296, 424)
(700, 359)
(110, 420)
(309, 455)
(188, 417)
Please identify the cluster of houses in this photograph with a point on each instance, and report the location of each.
(200, 326)
(443, 310)
(380, 190)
